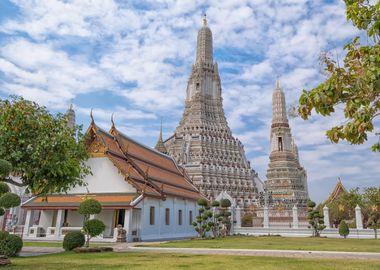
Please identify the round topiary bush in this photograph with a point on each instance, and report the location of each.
(343, 229)
(215, 204)
(10, 244)
(9, 200)
(5, 168)
(4, 188)
(225, 203)
(202, 202)
(90, 207)
(73, 240)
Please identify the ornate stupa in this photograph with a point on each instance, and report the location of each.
(70, 114)
(160, 146)
(203, 143)
(286, 178)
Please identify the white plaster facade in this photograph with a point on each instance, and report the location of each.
(52, 224)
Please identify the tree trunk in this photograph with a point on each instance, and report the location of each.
(375, 230)
(87, 241)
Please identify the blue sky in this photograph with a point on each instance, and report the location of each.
(133, 59)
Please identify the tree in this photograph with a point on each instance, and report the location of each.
(315, 219)
(343, 229)
(7, 198)
(216, 219)
(372, 204)
(355, 85)
(202, 223)
(226, 216)
(91, 227)
(374, 222)
(343, 207)
(48, 156)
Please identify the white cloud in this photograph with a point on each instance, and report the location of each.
(139, 59)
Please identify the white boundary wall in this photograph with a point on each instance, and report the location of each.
(303, 232)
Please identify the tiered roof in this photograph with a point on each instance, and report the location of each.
(149, 171)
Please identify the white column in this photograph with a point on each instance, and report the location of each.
(266, 217)
(28, 222)
(358, 217)
(59, 222)
(326, 217)
(238, 217)
(128, 224)
(295, 217)
(93, 216)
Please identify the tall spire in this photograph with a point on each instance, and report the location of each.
(160, 146)
(70, 114)
(279, 115)
(204, 43)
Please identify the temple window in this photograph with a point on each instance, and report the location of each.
(167, 216)
(151, 215)
(280, 148)
(179, 217)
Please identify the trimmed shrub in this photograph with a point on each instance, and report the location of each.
(343, 229)
(73, 240)
(9, 200)
(202, 202)
(4, 188)
(2, 211)
(5, 168)
(215, 204)
(87, 250)
(225, 203)
(90, 207)
(92, 228)
(10, 244)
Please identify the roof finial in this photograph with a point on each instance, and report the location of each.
(277, 83)
(204, 19)
(92, 117)
(161, 129)
(113, 123)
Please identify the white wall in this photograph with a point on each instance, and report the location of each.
(107, 216)
(160, 230)
(74, 219)
(105, 178)
(46, 218)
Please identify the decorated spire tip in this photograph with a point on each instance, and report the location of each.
(204, 19)
(277, 83)
(92, 117)
(112, 121)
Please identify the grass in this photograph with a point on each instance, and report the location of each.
(147, 261)
(281, 243)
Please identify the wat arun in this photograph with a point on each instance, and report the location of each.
(203, 143)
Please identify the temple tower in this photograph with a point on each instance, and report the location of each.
(286, 178)
(160, 146)
(203, 143)
(70, 113)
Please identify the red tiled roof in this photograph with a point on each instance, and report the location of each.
(148, 170)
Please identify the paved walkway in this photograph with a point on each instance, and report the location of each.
(130, 247)
(257, 252)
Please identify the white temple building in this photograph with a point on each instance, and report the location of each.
(139, 188)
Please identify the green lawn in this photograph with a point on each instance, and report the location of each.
(157, 261)
(251, 242)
